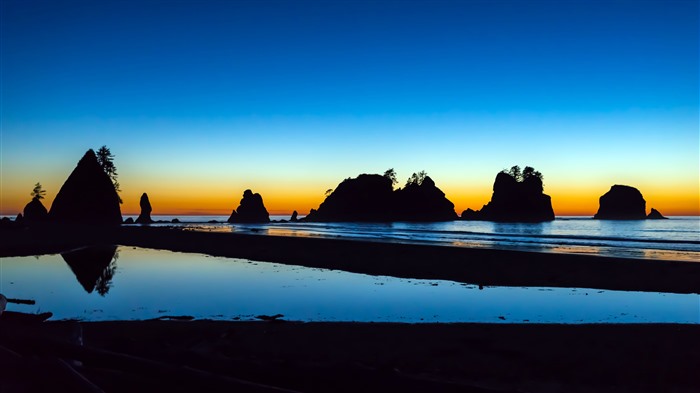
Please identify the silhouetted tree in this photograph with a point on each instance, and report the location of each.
(531, 172)
(328, 192)
(391, 175)
(38, 192)
(526, 173)
(106, 160)
(416, 178)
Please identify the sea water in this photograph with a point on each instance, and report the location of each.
(137, 283)
(677, 238)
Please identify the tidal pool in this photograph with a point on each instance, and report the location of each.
(127, 283)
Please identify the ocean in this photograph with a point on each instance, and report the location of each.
(677, 238)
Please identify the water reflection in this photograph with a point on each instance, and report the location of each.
(94, 267)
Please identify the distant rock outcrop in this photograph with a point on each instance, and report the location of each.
(129, 220)
(35, 211)
(145, 216)
(251, 210)
(515, 201)
(371, 198)
(87, 196)
(294, 216)
(655, 215)
(622, 203)
(422, 201)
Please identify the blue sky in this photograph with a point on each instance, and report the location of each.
(259, 93)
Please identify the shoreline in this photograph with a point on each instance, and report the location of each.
(487, 267)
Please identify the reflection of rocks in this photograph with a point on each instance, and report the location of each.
(515, 201)
(87, 196)
(251, 209)
(35, 211)
(622, 203)
(145, 216)
(655, 215)
(93, 266)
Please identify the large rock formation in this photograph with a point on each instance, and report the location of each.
(364, 198)
(35, 212)
(515, 201)
(145, 216)
(87, 196)
(422, 202)
(371, 198)
(622, 203)
(251, 210)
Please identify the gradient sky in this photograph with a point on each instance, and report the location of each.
(200, 100)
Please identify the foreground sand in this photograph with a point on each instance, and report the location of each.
(350, 357)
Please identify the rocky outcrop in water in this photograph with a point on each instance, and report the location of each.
(515, 201)
(251, 210)
(622, 203)
(145, 216)
(35, 212)
(422, 201)
(87, 196)
(294, 217)
(655, 215)
(371, 198)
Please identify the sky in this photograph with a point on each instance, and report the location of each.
(201, 100)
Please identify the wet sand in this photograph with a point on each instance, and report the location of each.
(488, 267)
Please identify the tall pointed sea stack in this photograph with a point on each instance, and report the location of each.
(145, 216)
(251, 209)
(35, 211)
(87, 196)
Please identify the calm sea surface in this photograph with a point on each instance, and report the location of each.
(125, 283)
(677, 238)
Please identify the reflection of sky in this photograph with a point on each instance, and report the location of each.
(150, 283)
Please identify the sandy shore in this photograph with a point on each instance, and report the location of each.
(474, 266)
(351, 357)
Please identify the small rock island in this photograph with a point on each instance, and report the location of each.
(624, 203)
(251, 210)
(517, 197)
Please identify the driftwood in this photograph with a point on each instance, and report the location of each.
(21, 301)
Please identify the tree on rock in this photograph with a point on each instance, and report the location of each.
(106, 160)
(416, 178)
(38, 192)
(391, 175)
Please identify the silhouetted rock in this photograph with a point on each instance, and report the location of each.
(294, 216)
(129, 220)
(175, 221)
(19, 218)
(515, 201)
(145, 216)
(371, 198)
(94, 267)
(422, 202)
(622, 203)
(364, 198)
(35, 211)
(87, 196)
(655, 215)
(251, 209)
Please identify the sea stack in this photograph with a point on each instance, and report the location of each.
(365, 198)
(87, 196)
(515, 198)
(422, 201)
(622, 203)
(35, 211)
(294, 216)
(145, 216)
(655, 215)
(251, 210)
